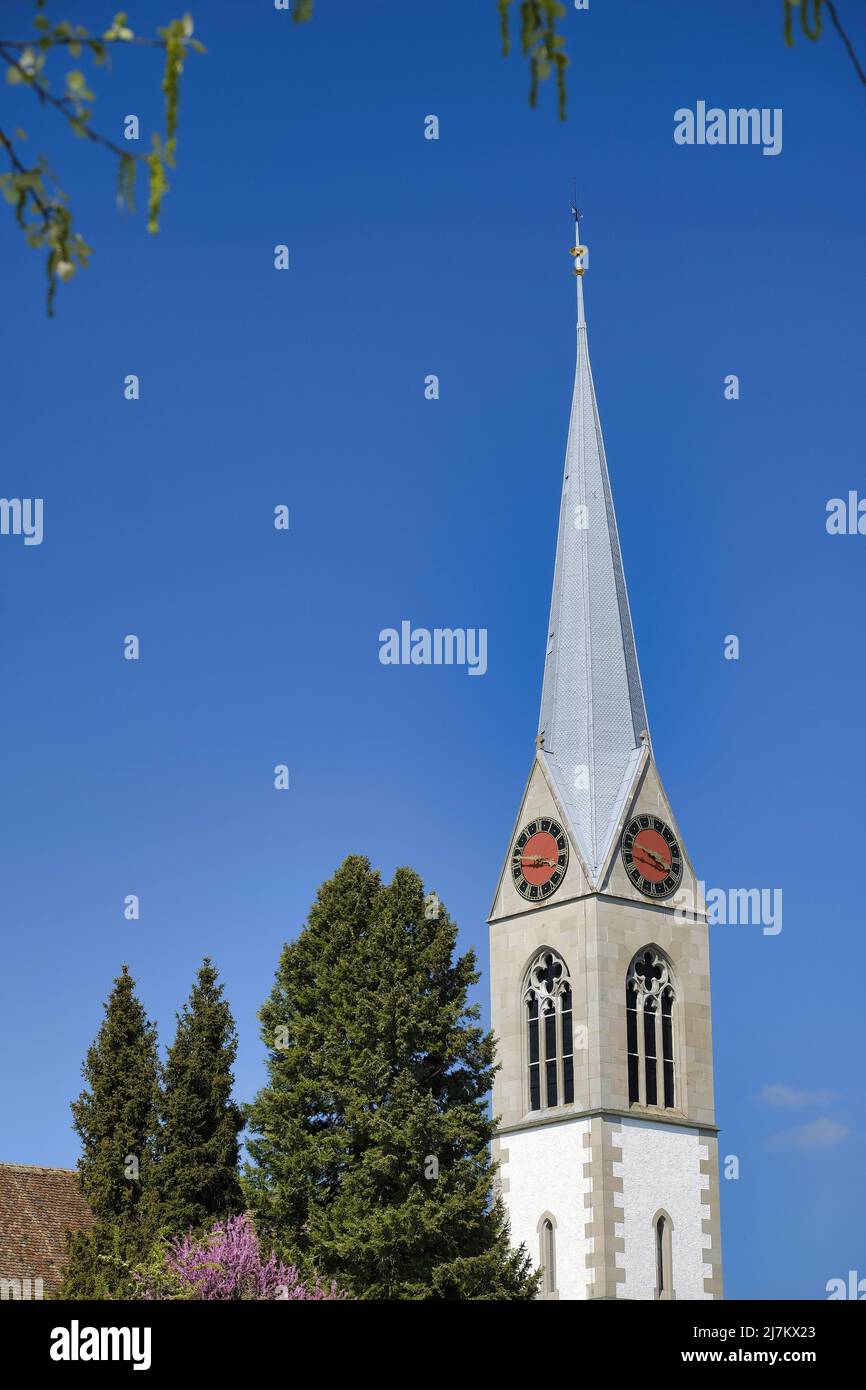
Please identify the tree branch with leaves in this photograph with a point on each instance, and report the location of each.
(42, 208)
(812, 25)
(40, 205)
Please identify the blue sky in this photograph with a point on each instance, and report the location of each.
(409, 257)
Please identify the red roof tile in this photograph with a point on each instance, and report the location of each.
(37, 1207)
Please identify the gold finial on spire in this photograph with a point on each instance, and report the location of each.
(578, 251)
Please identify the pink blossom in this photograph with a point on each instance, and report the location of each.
(228, 1264)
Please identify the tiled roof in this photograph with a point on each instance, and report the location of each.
(37, 1207)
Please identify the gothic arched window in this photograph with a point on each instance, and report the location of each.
(662, 1229)
(650, 1002)
(547, 1252)
(550, 1051)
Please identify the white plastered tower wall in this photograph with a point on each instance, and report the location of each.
(601, 1167)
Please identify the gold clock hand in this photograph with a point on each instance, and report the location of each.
(642, 849)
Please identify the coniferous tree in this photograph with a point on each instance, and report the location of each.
(371, 1140)
(116, 1119)
(197, 1173)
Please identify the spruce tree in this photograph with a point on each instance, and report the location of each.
(370, 1148)
(197, 1173)
(116, 1118)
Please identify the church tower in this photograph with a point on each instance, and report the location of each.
(599, 952)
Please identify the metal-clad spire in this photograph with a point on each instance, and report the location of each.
(592, 707)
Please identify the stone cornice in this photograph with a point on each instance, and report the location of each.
(608, 1112)
(607, 897)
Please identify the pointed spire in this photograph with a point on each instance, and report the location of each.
(593, 720)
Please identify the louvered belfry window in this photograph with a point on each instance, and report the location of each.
(650, 1012)
(550, 1034)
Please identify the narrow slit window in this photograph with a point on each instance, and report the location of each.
(550, 1055)
(649, 1050)
(631, 1045)
(661, 1282)
(567, 1049)
(668, 1046)
(534, 1057)
(548, 1256)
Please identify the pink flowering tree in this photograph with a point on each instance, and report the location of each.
(227, 1264)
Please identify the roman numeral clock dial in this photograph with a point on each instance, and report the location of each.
(652, 856)
(539, 859)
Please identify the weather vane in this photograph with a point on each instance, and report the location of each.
(578, 251)
(574, 208)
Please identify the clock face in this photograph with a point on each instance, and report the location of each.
(652, 857)
(539, 859)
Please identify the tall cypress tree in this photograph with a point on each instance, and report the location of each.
(371, 1152)
(197, 1174)
(116, 1118)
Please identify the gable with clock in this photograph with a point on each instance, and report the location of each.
(599, 959)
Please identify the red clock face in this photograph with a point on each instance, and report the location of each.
(539, 859)
(652, 856)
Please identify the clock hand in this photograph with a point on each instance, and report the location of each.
(642, 849)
